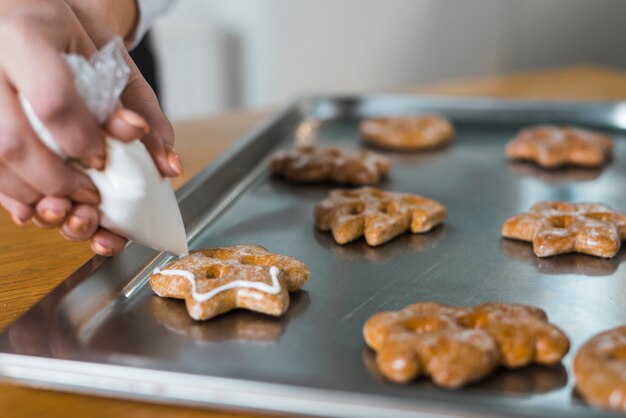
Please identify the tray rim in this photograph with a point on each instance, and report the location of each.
(142, 384)
(13, 367)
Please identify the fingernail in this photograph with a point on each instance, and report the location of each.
(52, 215)
(175, 164)
(86, 196)
(134, 119)
(97, 162)
(102, 249)
(18, 221)
(78, 224)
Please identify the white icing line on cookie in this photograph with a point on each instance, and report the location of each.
(203, 297)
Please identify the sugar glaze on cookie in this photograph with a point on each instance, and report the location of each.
(213, 281)
(203, 297)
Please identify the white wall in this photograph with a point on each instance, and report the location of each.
(326, 46)
(561, 32)
(220, 54)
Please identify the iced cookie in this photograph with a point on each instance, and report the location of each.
(217, 280)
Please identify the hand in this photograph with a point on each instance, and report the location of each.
(80, 222)
(34, 33)
(34, 180)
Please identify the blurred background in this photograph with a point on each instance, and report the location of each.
(218, 55)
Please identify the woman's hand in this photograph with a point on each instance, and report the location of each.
(34, 34)
(35, 181)
(79, 222)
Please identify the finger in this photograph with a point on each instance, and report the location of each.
(51, 92)
(32, 161)
(20, 212)
(51, 212)
(105, 242)
(81, 224)
(126, 125)
(13, 186)
(139, 97)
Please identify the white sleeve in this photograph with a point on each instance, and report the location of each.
(149, 11)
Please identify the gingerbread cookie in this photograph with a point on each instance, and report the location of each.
(600, 369)
(554, 146)
(459, 345)
(312, 164)
(217, 280)
(376, 214)
(560, 227)
(407, 132)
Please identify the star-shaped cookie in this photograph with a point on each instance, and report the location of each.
(216, 280)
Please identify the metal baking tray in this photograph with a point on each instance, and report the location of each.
(104, 332)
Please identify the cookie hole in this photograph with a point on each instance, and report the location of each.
(618, 354)
(424, 325)
(355, 209)
(256, 260)
(387, 208)
(215, 271)
(560, 222)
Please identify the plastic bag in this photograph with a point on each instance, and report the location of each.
(137, 202)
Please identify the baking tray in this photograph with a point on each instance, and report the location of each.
(103, 331)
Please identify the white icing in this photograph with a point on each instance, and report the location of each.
(272, 289)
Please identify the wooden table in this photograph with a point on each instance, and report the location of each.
(33, 261)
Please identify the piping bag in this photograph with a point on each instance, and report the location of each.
(136, 201)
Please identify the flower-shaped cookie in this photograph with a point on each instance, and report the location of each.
(600, 369)
(407, 132)
(555, 146)
(217, 280)
(313, 164)
(561, 227)
(459, 345)
(376, 214)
